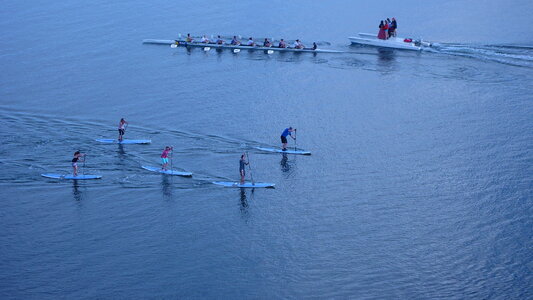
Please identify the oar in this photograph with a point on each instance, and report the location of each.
(250, 167)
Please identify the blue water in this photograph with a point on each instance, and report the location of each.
(420, 183)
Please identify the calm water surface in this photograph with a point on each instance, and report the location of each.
(419, 185)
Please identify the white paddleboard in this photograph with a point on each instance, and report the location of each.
(111, 141)
(64, 176)
(288, 151)
(168, 172)
(245, 185)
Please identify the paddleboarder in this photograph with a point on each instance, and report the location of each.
(77, 156)
(284, 134)
(164, 157)
(242, 164)
(122, 129)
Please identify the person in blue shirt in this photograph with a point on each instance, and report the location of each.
(284, 134)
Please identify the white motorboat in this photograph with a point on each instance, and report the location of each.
(393, 42)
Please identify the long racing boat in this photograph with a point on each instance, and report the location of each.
(208, 46)
(392, 42)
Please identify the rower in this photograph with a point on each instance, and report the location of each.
(204, 40)
(189, 38)
(220, 41)
(235, 41)
(250, 42)
(298, 45)
(282, 44)
(267, 43)
(314, 46)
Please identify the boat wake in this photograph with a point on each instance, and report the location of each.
(516, 55)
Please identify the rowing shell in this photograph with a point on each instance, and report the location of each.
(244, 185)
(111, 141)
(288, 151)
(167, 172)
(223, 46)
(79, 177)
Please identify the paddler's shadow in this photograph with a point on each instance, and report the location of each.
(166, 186)
(244, 203)
(386, 60)
(76, 190)
(121, 153)
(284, 163)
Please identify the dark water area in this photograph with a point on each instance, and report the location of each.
(419, 185)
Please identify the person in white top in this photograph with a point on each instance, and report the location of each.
(122, 125)
(204, 39)
(250, 42)
(298, 45)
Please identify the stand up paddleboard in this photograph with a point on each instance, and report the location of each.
(168, 172)
(245, 185)
(63, 176)
(288, 151)
(111, 141)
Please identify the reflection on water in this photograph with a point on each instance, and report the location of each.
(76, 190)
(166, 186)
(284, 163)
(244, 203)
(386, 59)
(121, 152)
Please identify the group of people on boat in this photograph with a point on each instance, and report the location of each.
(387, 29)
(250, 42)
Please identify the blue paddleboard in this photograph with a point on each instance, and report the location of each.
(64, 176)
(244, 185)
(111, 141)
(168, 172)
(288, 151)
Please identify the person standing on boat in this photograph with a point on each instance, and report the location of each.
(250, 42)
(282, 44)
(122, 129)
(298, 45)
(393, 27)
(267, 43)
(77, 156)
(242, 164)
(235, 41)
(220, 41)
(284, 134)
(389, 25)
(164, 157)
(189, 39)
(382, 33)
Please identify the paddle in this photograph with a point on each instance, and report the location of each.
(250, 167)
(171, 160)
(84, 159)
(295, 140)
